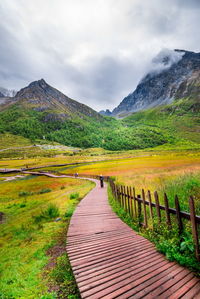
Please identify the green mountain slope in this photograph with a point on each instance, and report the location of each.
(40, 111)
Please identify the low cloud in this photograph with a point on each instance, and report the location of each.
(94, 51)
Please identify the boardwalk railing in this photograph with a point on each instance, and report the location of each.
(144, 209)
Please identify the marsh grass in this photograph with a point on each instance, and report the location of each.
(23, 242)
(184, 186)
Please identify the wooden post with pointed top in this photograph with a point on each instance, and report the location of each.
(178, 215)
(131, 201)
(139, 210)
(157, 206)
(125, 198)
(134, 203)
(194, 228)
(128, 200)
(144, 207)
(122, 196)
(150, 205)
(168, 219)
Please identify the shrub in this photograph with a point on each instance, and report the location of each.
(25, 193)
(50, 213)
(46, 190)
(62, 187)
(74, 195)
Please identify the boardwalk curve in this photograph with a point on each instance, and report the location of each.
(110, 260)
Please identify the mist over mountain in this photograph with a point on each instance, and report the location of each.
(7, 92)
(171, 74)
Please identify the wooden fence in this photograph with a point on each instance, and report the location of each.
(144, 209)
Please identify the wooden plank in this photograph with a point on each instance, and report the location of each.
(144, 209)
(178, 215)
(131, 201)
(110, 260)
(194, 228)
(134, 203)
(157, 206)
(150, 205)
(167, 214)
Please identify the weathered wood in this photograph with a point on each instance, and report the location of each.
(109, 260)
(139, 209)
(128, 200)
(150, 205)
(122, 195)
(157, 206)
(144, 208)
(125, 197)
(131, 201)
(134, 203)
(194, 228)
(178, 215)
(168, 219)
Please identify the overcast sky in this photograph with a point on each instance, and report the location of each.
(95, 51)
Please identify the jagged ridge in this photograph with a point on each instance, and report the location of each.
(159, 88)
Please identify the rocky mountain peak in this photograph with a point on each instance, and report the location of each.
(40, 96)
(171, 70)
(39, 83)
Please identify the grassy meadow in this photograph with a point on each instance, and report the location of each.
(30, 205)
(29, 229)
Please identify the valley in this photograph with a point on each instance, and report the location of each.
(150, 141)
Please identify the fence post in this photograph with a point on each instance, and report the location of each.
(139, 210)
(134, 203)
(157, 206)
(194, 228)
(122, 196)
(178, 215)
(168, 220)
(131, 201)
(128, 200)
(150, 205)
(144, 207)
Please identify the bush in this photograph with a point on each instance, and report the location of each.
(25, 193)
(46, 190)
(62, 187)
(74, 195)
(50, 213)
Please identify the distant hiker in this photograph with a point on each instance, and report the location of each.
(76, 175)
(101, 180)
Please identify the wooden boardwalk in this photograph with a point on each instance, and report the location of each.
(110, 260)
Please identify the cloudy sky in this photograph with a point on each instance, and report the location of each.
(95, 51)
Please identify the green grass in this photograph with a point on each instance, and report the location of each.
(170, 125)
(167, 241)
(24, 241)
(184, 186)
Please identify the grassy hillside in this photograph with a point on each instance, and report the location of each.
(179, 121)
(175, 124)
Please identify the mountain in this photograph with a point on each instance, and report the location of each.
(1, 95)
(175, 75)
(7, 92)
(106, 112)
(42, 97)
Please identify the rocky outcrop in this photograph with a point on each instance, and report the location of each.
(174, 76)
(1, 95)
(106, 112)
(42, 97)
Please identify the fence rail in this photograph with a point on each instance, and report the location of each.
(136, 206)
